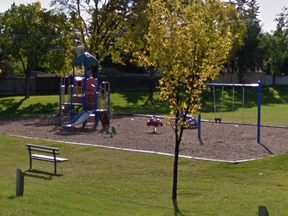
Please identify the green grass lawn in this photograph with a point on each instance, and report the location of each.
(99, 181)
(274, 105)
(35, 105)
(273, 109)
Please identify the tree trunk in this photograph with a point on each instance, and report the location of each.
(241, 77)
(241, 73)
(27, 83)
(175, 170)
(151, 85)
(151, 71)
(232, 66)
(273, 80)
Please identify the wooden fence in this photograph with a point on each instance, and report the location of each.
(266, 80)
(50, 85)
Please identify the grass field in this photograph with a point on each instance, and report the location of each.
(274, 105)
(98, 181)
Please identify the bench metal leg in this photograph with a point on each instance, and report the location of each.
(55, 167)
(30, 164)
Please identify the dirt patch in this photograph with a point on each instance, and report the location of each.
(218, 141)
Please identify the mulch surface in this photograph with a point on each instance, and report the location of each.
(219, 141)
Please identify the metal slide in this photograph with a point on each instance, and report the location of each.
(79, 119)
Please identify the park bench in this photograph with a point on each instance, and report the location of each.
(48, 154)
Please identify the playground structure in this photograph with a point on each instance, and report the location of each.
(110, 131)
(86, 93)
(155, 122)
(191, 121)
(219, 119)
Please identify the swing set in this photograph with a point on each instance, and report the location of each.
(218, 118)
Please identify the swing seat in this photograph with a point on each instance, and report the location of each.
(218, 120)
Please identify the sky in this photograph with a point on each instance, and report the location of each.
(268, 10)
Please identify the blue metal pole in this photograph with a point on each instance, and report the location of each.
(96, 118)
(109, 107)
(259, 113)
(84, 86)
(60, 102)
(232, 84)
(96, 98)
(72, 95)
(98, 79)
(71, 101)
(199, 125)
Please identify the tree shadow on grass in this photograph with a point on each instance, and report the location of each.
(133, 97)
(150, 99)
(12, 107)
(176, 208)
(269, 95)
(39, 108)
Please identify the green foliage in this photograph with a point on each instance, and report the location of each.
(30, 31)
(248, 55)
(5, 65)
(189, 43)
(98, 24)
(133, 44)
(276, 44)
(28, 34)
(276, 52)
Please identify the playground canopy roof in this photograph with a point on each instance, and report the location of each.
(85, 59)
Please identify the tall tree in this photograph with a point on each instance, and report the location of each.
(98, 23)
(275, 52)
(133, 30)
(276, 45)
(132, 45)
(249, 55)
(281, 35)
(5, 64)
(28, 34)
(189, 41)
